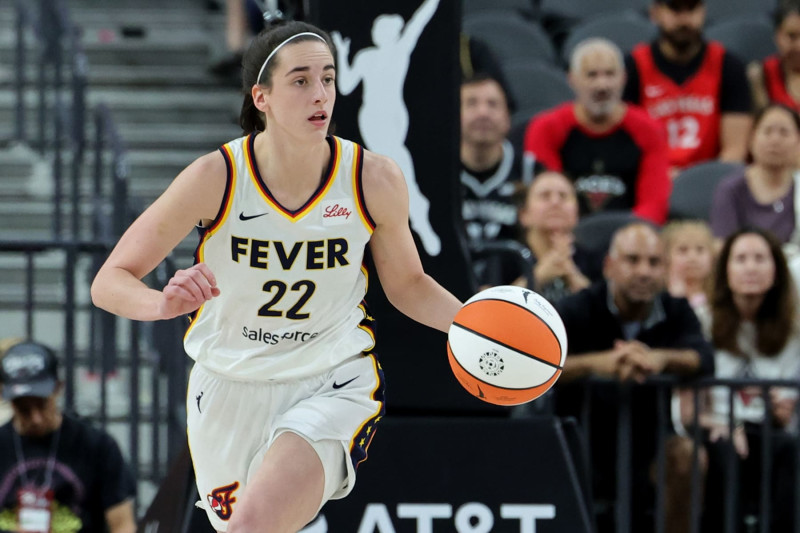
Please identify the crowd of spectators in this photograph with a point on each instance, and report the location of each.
(711, 297)
(692, 298)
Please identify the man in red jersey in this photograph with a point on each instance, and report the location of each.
(777, 78)
(614, 153)
(695, 88)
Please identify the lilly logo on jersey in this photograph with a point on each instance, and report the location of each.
(336, 212)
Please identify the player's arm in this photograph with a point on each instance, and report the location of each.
(397, 261)
(120, 518)
(347, 76)
(417, 23)
(196, 194)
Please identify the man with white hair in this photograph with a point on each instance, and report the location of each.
(615, 154)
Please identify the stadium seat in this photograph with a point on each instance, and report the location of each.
(719, 10)
(511, 37)
(535, 86)
(749, 39)
(520, 120)
(575, 11)
(593, 232)
(526, 8)
(626, 30)
(693, 189)
(519, 123)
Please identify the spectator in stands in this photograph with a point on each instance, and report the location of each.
(697, 90)
(239, 29)
(5, 407)
(690, 256)
(490, 175)
(777, 78)
(243, 20)
(478, 61)
(58, 473)
(763, 194)
(690, 260)
(548, 219)
(613, 152)
(753, 324)
(625, 329)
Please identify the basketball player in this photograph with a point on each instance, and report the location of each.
(285, 393)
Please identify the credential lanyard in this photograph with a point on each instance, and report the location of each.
(51, 460)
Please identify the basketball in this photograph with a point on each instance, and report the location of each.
(507, 345)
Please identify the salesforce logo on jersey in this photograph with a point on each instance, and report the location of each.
(269, 337)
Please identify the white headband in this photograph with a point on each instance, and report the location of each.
(275, 51)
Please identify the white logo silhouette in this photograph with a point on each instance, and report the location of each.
(383, 117)
(320, 525)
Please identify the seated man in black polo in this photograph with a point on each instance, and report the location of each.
(627, 328)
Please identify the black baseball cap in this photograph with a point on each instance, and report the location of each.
(679, 5)
(28, 369)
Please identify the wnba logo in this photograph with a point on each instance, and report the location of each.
(221, 500)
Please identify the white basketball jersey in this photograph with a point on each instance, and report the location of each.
(292, 283)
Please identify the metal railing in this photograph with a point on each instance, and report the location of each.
(48, 41)
(663, 386)
(60, 128)
(141, 347)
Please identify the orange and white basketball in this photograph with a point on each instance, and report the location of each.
(507, 345)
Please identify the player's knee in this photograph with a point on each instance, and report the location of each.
(247, 522)
(251, 521)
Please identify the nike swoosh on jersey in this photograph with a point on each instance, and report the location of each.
(340, 385)
(653, 91)
(242, 216)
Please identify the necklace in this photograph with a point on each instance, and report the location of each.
(51, 460)
(777, 206)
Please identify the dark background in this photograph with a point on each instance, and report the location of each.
(413, 356)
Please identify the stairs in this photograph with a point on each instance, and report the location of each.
(147, 63)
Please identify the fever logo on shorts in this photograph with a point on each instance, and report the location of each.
(221, 500)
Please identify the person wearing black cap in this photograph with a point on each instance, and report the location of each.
(697, 89)
(57, 473)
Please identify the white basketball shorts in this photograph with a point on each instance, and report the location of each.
(232, 423)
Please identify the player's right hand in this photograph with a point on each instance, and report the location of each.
(187, 290)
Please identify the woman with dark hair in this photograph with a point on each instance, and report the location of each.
(548, 219)
(753, 327)
(285, 392)
(763, 194)
(777, 77)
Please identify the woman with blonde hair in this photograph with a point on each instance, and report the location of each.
(690, 259)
